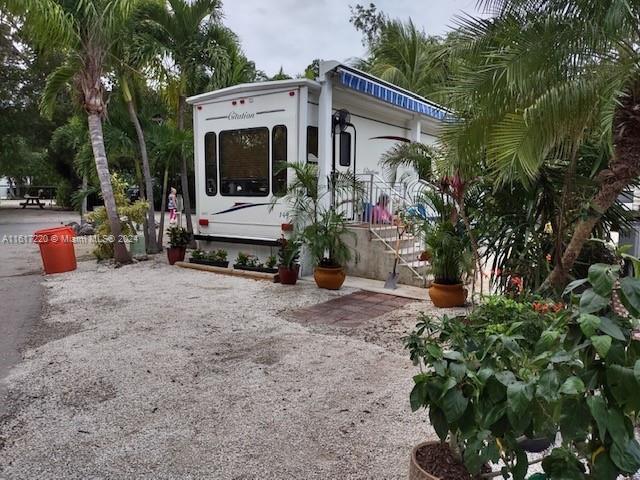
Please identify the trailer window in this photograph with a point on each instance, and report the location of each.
(244, 162)
(279, 160)
(210, 164)
(312, 144)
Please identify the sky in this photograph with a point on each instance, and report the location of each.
(291, 33)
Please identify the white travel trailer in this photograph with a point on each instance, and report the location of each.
(242, 133)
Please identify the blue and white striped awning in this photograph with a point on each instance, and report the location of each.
(390, 95)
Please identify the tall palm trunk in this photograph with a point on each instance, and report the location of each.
(120, 252)
(165, 186)
(83, 205)
(184, 179)
(622, 172)
(152, 245)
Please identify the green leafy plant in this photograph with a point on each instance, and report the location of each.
(178, 237)
(271, 262)
(198, 254)
(317, 213)
(129, 213)
(512, 370)
(242, 259)
(289, 252)
(446, 240)
(219, 255)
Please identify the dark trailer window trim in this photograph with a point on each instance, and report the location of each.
(210, 164)
(278, 158)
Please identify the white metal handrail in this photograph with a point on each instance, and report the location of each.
(399, 197)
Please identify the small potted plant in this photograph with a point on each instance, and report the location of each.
(218, 258)
(325, 239)
(288, 266)
(179, 238)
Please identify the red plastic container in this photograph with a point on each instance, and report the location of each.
(56, 249)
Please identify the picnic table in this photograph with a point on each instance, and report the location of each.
(31, 200)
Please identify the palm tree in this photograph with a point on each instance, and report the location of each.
(416, 155)
(540, 78)
(129, 59)
(170, 146)
(407, 57)
(85, 31)
(189, 33)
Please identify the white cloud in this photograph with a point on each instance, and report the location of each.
(291, 33)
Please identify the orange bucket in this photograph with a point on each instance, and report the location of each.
(56, 249)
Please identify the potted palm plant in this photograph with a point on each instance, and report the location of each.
(325, 240)
(448, 247)
(317, 213)
(179, 238)
(288, 256)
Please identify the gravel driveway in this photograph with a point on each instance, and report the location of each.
(152, 371)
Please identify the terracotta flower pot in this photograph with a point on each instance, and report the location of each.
(415, 471)
(447, 296)
(330, 278)
(176, 254)
(288, 276)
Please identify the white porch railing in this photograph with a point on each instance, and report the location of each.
(394, 198)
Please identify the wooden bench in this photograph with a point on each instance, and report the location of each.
(31, 200)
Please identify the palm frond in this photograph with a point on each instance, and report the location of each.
(60, 78)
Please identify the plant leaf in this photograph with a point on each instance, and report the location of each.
(602, 278)
(630, 294)
(572, 386)
(573, 285)
(589, 324)
(519, 396)
(610, 328)
(454, 404)
(602, 344)
(591, 302)
(439, 422)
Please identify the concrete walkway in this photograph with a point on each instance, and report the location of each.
(20, 276)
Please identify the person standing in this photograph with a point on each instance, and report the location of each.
(173, 206)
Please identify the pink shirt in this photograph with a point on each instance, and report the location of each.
(381, 215)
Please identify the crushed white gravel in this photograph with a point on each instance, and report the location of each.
(152, 371)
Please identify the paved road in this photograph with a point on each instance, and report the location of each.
(20, 275)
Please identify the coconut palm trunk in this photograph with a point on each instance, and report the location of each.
(184, 179)
(152, 245)
(121, 254)
(163, 209)
(623, 170)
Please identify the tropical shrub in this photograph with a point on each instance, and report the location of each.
(178, 237)
(511, 370)
(446, 239)
(129, 214)
(288, 252)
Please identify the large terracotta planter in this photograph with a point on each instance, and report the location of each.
(176, 254)
(447, 296)
(415, 471)
(330, 278)
(288, 276)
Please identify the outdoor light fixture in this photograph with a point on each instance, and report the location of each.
(341, 119)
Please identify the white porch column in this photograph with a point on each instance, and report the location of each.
(325, 138)
(416, 127)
